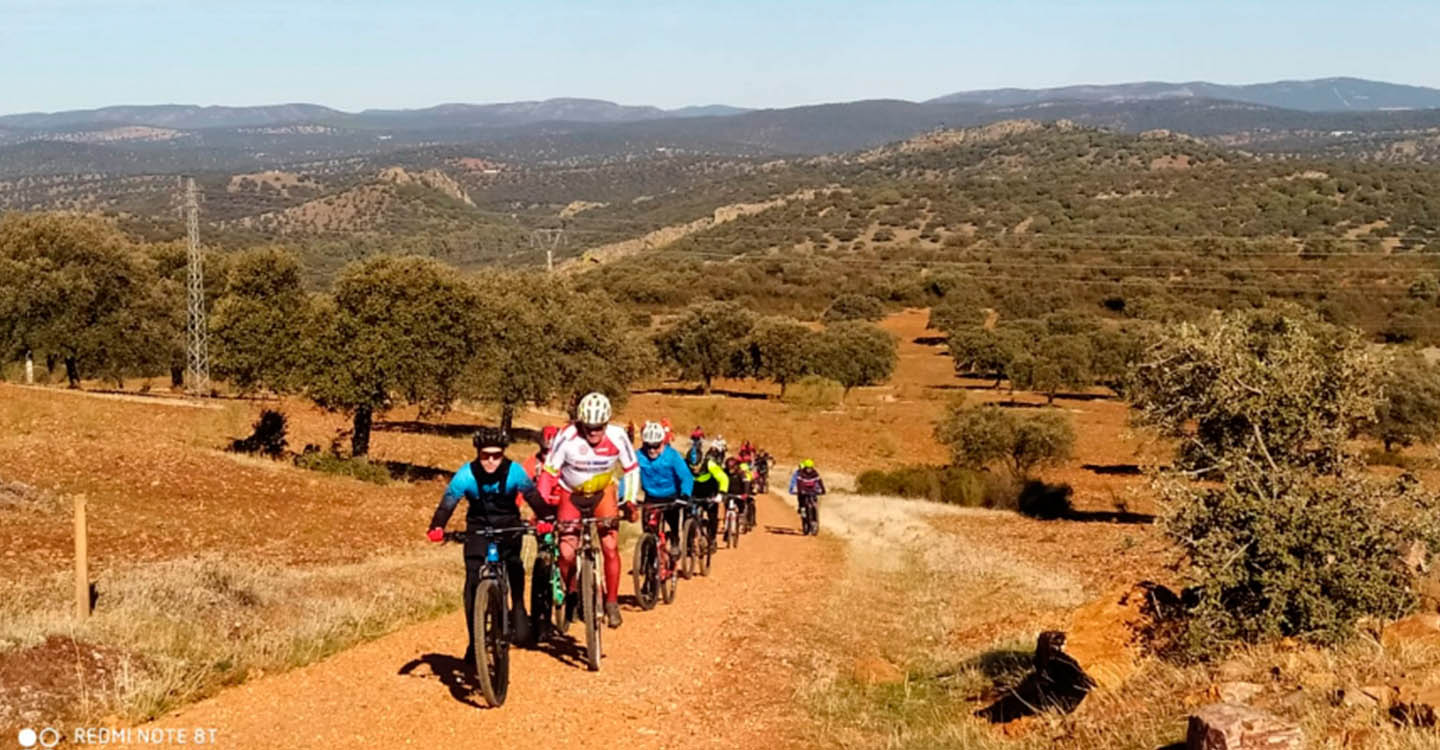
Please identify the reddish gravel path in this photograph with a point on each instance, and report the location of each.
(707, 671)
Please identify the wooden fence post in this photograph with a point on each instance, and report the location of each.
(82, 562)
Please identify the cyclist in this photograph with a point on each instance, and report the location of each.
(720, 447)
(535, 461)
(806, 484)
(695, 454)
(739, 483)
(762, 470)
(583, 466)
(664, 476)
(492, 486)
(747, 452)
(711, 484)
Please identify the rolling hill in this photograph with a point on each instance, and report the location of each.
(1319, 95)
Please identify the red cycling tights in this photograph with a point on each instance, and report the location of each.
(608, 511)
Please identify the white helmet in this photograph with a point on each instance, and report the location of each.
(718, 444)
(594, 410)
(653, 433)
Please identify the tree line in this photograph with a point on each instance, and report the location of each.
(726, 339)
(391, 330)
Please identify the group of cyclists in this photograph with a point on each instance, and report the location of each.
(591, 469)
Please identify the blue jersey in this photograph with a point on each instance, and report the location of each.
(490, 499)
(665, 477)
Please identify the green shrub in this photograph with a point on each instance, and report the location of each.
(815, 392)
(1283, 552)
(982, 435)
(355, 468)
(267, 437)
(853, 307)
(941, 484)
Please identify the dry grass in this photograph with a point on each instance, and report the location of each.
(954, 598)
(185, 628)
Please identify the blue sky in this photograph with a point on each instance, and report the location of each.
(72, 54)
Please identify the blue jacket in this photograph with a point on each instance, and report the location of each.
(665, 477)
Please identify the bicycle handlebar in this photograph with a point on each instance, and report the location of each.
(462, 536)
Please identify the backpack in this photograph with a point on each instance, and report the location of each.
(807, 485)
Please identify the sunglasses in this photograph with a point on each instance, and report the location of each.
(492, 455)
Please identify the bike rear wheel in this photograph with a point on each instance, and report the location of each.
(646, 571)
(732, 530)
(707, 552)
(492, 652)
(590, 606)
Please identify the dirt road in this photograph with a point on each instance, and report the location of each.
(703, 672)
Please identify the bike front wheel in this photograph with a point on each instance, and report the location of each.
(492, 656)
(591, 605)
(542, 603)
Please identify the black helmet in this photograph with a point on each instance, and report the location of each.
(490, 437)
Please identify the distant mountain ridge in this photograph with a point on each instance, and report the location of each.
(1318, 95)
(195, 117)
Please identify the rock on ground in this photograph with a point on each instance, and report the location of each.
(1230, 726)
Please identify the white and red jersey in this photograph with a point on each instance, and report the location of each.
(587, 469)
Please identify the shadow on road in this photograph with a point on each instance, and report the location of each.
(784, 531)
(1126, 470)
(452, 672)
(1103, 516)
(564, 648)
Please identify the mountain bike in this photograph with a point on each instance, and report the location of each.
(732, 521)
(809, 515)
(492, 626)
(699, 543)
(591, 583)
(547, 588)
(654, 569)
